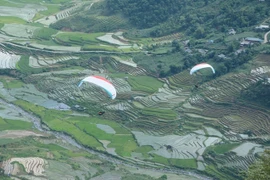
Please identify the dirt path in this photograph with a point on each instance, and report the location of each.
(17, 134)
(4, 44)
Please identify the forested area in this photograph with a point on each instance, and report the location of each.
(261, 169)
(196, 18)
(163, 17)
(259, 92)
(146, 13)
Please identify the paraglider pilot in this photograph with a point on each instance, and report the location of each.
(101, 113)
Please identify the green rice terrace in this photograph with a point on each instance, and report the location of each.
(164, 122)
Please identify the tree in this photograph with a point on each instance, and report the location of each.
(175, 69)
(176, 45)
(200, 33)
(163, 177)
(261, 169)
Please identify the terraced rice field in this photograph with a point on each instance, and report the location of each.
(245, 149)
(121, 67)
(63, 14)
(165, 97)
(33, 165)
(189, 146)
(109, 38)
(248, 119)
(62, 170)
(41, 61)
(235, 162)
(105, 23)
(26, 12)
(163, 115)
(59, 48)
(8, 61)
(225, 89)
(183, 79)
(218, 99)
(9, 113)
(64, 89)
(237, 118)
(27, 92)
(168, 38)
(127, 62)
(169, 118)
(19, 30)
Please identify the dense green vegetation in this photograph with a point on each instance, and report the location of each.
(211, 169)
(94, 20)
(78, 38)
(44, 33)
(55, 120)
(183, 163)
(11, 83)
(11, 19)
(259, 93)
(23, 66)
(144, 150)
(222, 148)
(146, 13)
(122, 140)
(261, 169)
(99, 48)
(7, 124)
(140, 83)
(144, 83)
(197, 18)
(159, 113)
(84, 130)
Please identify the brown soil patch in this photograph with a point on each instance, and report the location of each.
(50, 155)
(95, 161)
(18, 134)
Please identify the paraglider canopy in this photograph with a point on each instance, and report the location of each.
(201, 66)
(101, 82)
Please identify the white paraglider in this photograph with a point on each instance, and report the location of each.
(201, 66)
(101, 82)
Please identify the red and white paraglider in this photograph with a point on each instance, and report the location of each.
(101, 82)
